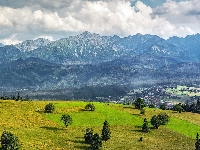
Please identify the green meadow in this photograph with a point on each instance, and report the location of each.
(96, 118)
(38, 130)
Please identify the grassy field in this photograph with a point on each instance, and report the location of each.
(37, 130)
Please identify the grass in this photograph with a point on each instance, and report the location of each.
(39, 131)
(185, 123)
(183, 127)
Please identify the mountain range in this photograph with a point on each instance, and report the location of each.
(90, 61)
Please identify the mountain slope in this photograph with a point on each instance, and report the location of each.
(92, 60)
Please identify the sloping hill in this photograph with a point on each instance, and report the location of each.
(37, 130)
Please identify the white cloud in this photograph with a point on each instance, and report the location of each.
(185, 14)
(11, 40)
(61, 18)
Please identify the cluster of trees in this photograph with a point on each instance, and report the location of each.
(156, 121)
(91, 92)
(95, 140)
(193, 107)
(187, 107)
(13, 97)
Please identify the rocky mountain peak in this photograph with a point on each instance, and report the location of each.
(30, 45)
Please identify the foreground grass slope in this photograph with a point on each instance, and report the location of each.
(37, 130)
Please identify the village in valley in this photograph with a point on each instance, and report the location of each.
(167, 95)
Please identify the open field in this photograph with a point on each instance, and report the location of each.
(37, 130)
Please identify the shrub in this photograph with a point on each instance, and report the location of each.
(90, 107)
(9, 141)
(49, 108)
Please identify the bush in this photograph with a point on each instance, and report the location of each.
(49, 108)
(90, 107)
(9, 141)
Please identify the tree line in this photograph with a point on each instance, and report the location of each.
(14, 97)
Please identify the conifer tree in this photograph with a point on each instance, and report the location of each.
(197, 144)
(105, 131)
(145, 127)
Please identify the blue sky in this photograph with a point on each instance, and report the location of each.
(26, 20)
(155, 3)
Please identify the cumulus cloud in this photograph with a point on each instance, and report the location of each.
(185, 13)
(21, 20)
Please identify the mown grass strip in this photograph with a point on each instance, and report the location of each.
(183, 127)
(96, 118)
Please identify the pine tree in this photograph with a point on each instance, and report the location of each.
(145, 127)
(197, 144)
(105, 131)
